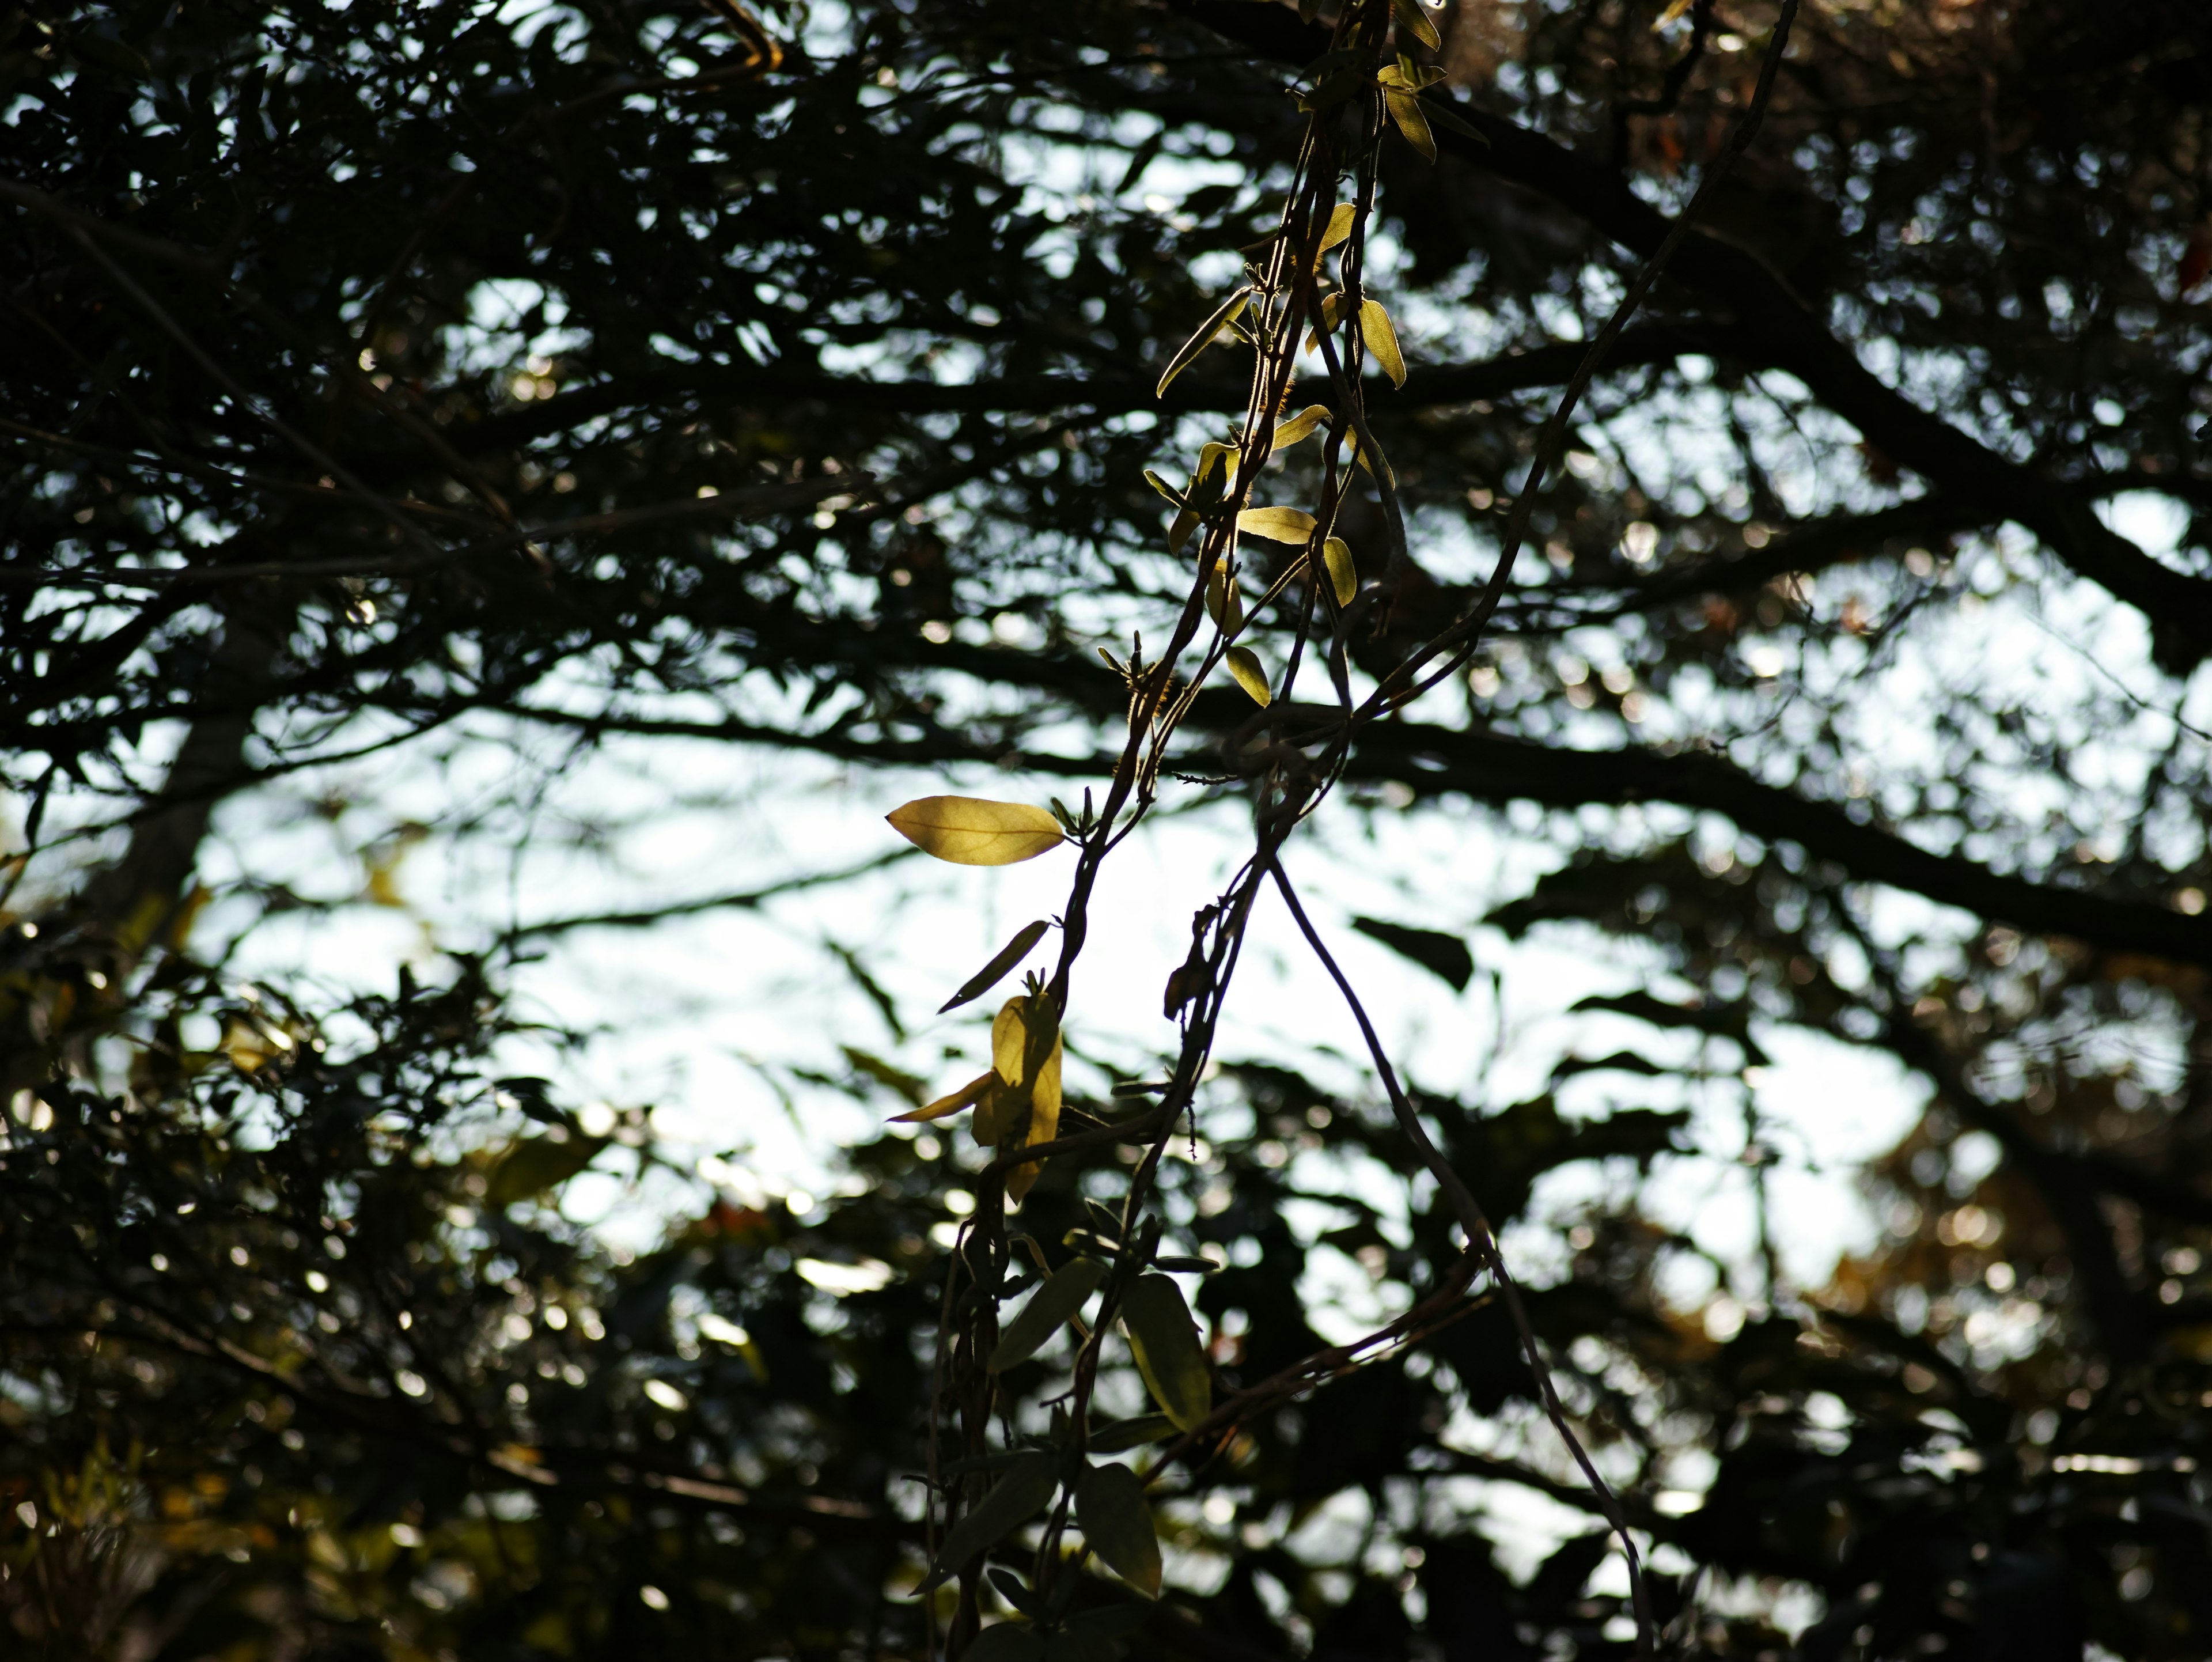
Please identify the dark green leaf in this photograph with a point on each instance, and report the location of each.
(1052, 1305)
(1130, 1434)
(535, 1165)
(1109, 1504)
(1167, 1351)
(1013, 1499)
(988, 977)
(1444, 956)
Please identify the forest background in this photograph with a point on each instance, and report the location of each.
(503, 500)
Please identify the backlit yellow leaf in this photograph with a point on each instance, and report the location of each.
(1281, 525)
(1299, 427)
(966, 1097)
(1339, 225)
(1343, 575)
(1405, 110)
(1251, 673)
(970, 831)
(1381, 340)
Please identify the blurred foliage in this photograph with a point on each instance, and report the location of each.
(633, 372)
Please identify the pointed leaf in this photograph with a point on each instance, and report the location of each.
(988, 977)
(1440, 116)
(1130, 1434)
(1012, 1500)
(1444, 956)
(1251, 673)
(1340, 220)
(1223, 602)
(1405, 110)
(1050, 1308)
(1281, 525)
(1163, 487)
(1167, 1351)
(534, 1165)
(971, 830)
(1416, 23)
(966, 1097)
(1298, 427)
(1207, 331)
(1343, 574)
(1109, 1504)
(1044, 1123)
(1381, 340)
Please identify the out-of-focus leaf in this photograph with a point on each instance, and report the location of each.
(1343, 575)
(1248, 673)
(1109, 1504)
(1014, 1498)
(1729, 1020)
(1051, 1306)
(1445, 956)
(972, 830)
(537, 1164)
(1008, 1641)
(1620, 1062)
(1437, 115)
(1168, 1354)
(1382, 338)
(1008, 955)
(1281, 524)
(1223, 314)
(966, 1097)
(1130, 1433)
(907, 1085)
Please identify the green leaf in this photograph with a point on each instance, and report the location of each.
(1008, 1641)
(1343, 574)
(1245, 665)
(1416, 23)
(1279, 525)
(1051, 1306)
(1167, 1351)
(1334, 90)
(537, 1164)
(1014, 1499)
(1109, 1505)
(1381, 340)
(1444, 956)
(1207, 331)
(1163, 487)
(1130, 1434)
(988, 977)
(1223, 602)
(972, 830)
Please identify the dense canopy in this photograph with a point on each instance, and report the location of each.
(591, 386)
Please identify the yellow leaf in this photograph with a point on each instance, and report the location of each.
(1012, 1043)
(1223, 602)
(1381, 340)
(1298, 427)
(1279, 524)
(1339, 225)
(1343, 575)
(966, 1097)
(1405, 110)
(1416, 21)
(969, 830)
(1250, 674)
(1223, 316)
(1332, 313)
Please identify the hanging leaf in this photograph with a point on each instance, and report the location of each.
(1222, 603)
(1251, 673)
(988, 977)
(1167, 1351)
(970, 831)
(1044, 1124)
(1341, 219)
(1013, 1499)
(1374, 465)
(1298, 427)
(1130, 1434)
(537, 1164)
(1343, 575)
(1416, 23)
(1333, 90)
(1444, 956)
(1441, 117)
(966, 1097)
(1008, 1641)
(1052, 1305)
(1198, 343)
(1405, 110)
(1381, 340)
(1332, 314)
(1281, 525)
(997, 1107)
(1013, 1046)
(1109, 1504)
